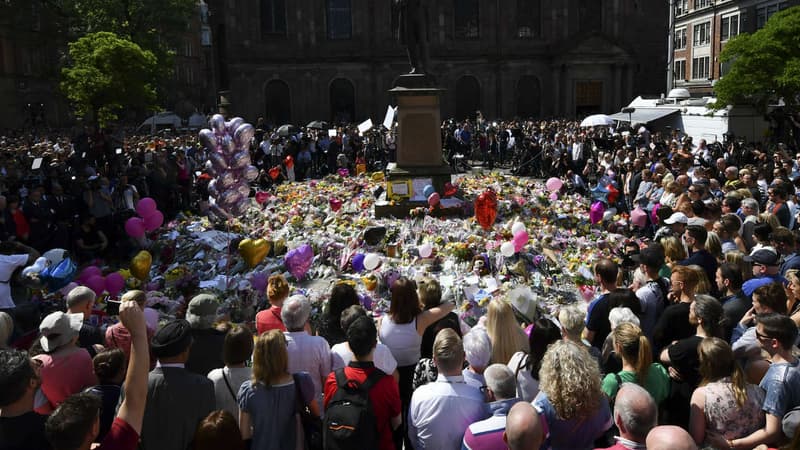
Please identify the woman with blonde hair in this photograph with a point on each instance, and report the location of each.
(674, 250)
(505, 333)
(267, 402)
(714, 246)
(570, 397)
(671, 194)
(638, 367)
(724, 403)
(703, 285)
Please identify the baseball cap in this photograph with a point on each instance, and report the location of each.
(677, 217)
(763, 256)
(58, 329)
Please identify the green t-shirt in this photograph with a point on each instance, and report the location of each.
(656, 383)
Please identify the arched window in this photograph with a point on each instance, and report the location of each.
(468, 97)
(273, 18)
(467, 19)
(278, 103)
(340, 21)
(528, 97)
(529, 18)
(343, 101)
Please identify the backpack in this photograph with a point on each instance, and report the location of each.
(350, 419)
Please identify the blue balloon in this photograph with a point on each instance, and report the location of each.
(600, 193)
(60, 276)
(428, 190)
(358, 262)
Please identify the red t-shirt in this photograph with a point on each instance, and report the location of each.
(384, 395)
(269, 319)
(121, 436)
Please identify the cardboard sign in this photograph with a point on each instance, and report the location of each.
(364, 126)
(398, 190)
(37, 163)
(388, 120)
(332, 132)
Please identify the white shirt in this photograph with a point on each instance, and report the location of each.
(310, 354)
(440, 413)
(341, 355)
(527, 386)
(226, 398)
(8, 264)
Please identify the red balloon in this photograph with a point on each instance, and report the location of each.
(261, 197)
(613, 193)
(335, 203)
(288, 161)
(434, 199)
(450, 189)
(486, 209)
(274, 173)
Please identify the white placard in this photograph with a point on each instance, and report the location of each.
(364, 126)
(400, 188)
(388, 120)
(419, 186)
(332, 132)
(37, 163)
(119, 151)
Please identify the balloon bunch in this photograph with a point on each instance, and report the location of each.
(486, 209)
(602, 196)
(429, 192)
(521, 237)
(53, 276)
(150, 218)
(228, 147)
(369, 261)
(554, 185)
(92, 277)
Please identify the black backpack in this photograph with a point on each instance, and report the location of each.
(349, 419)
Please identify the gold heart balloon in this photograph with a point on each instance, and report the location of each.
(140, 264)
(280, 247)
(254, 250)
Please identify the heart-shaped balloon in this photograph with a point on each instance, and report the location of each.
(613, 193)
(140, 264)
(298, 261)
(450, 189)
(486, 209)
(279, 247)
(262, 197)
(253, 251)
(274, 173)
(335, 203)
(288, 161)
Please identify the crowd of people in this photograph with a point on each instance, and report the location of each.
(690, 341)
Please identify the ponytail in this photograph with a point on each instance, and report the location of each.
(739, 385)
(644, 360)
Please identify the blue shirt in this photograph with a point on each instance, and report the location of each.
(577, 433)
(782, 386)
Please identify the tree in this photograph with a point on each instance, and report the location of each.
(765, 65)
(107, 73)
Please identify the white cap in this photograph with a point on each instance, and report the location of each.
(677, 217)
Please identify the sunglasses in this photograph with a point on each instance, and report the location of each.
(762, 336)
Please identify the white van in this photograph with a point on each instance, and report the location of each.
(160, 121)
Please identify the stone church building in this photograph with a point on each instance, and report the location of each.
(300, 60)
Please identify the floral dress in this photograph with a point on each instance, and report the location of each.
(723, 414)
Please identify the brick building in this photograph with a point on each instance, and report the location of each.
(295, 61)
(701, 29)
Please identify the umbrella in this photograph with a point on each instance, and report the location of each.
(597, 120)
(287, 130)
(317, 125)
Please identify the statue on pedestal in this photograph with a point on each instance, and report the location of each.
(410, 25)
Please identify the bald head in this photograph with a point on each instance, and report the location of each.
(523, 427)
(670, 437)
(635, 412)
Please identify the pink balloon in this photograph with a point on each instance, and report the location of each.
(145, 207)
(153, 221)
(96, 283)
(654, 213)
(639, 217)
(434, 199)
(520, 239)
(554, 184)
(114, 283)
(89, 272)
(596, 212)
(135, 227)
(553, 196)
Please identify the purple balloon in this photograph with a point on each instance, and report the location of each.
(233, 124)
(89, 272)
(207, 139)
(217, 123)
(135, 227)
(145, 206)
(258, 280)
(250, 173)
(226, 180)
(596, 212)
(243, 189)
(153, 221)
(243, 134)
(366, 301)
(227, 144)
(217, 161)
(298, 261)
(240, 159)
(114, 283)
(96, 283)
(358, 262)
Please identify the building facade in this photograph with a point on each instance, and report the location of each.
(301, 60)
(701, 30)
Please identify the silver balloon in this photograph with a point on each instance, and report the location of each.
(207, 139)
(226, 180)
(212, 188)
(250, 173)
(244, 134)
(240, 160)
(218, 161)
(233, 124)
(230, 197)
(227, 144)
(244, 190)
(217, 123)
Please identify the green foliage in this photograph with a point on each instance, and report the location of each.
(107, 73)
(765, 65)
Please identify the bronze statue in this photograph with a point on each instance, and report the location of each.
(410, 24)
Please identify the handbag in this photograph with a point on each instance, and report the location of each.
(312, 425)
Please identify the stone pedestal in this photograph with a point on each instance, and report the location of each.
(419, 141)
